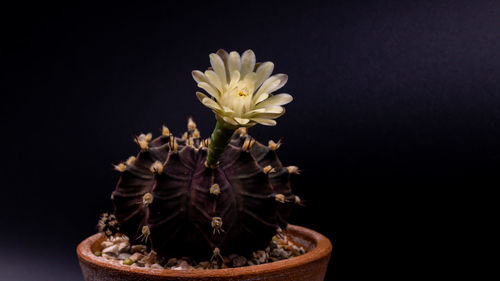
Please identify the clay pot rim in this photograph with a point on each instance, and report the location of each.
(322, 248)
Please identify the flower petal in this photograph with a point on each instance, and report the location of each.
(233, 63)
(283, 79)
(263, 121)
(262, 97)
(257, 65)
(268, 111)
(267, 115)
(235, 77)
(263, 72)
(198, 76)
(280, 99)
(210, 103)
(200, 96)
(249, 80)
(225, 58)
(267, 87)
(218, 66)
(274, 109)
(254, 112)
(223, 55)
(211, 90)
(270, 84)
(242, 121)
(227, 109)
(229, 120)
(247, 62)
(214, 79)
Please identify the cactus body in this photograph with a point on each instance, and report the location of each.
(169, 199)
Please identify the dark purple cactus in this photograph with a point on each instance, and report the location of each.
(170, 200)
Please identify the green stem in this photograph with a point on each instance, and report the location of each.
(220, 138)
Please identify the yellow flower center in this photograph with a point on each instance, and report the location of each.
(242, 93)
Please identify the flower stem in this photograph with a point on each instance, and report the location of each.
(220, 138)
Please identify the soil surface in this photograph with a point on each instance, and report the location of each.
(118, 249)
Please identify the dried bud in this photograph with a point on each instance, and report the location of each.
(242, 131)
(216, 251)
(298, 201)
(205, 143)
(142, 140)
(130, 160)
(147, 198)
(280, 198)
(293, 170)
(191, 125)
(196, 133)
(173, 144)
(165, 131)
(215, 189)
(145, 233)
(273, 145)
(216, 255)
(156, 167)
(217, 224)
(268, 169)
(247, 145)
(120, 167)
(142, 144)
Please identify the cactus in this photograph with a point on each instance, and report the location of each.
(227, 194)
(169, 199)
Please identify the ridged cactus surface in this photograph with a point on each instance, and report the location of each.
(169, 199)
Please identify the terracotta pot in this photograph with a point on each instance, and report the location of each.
(310, 266)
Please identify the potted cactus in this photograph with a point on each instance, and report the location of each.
(189, 208)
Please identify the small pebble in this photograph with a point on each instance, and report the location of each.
(157, 266)
(123, 247)
(302, 250)
(204, 264)
(110, 256)
(214, 265)
(239, 261)
(149, 258)
(136, 256)
(111, 249)
(138, 248)
(123, 256)
(183, 265)
(260, 257)
(106, 244)
(279, 253)
(172, 262)
(128, 262)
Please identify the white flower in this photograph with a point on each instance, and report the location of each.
(240, 89)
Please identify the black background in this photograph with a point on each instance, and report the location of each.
(397, 103)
